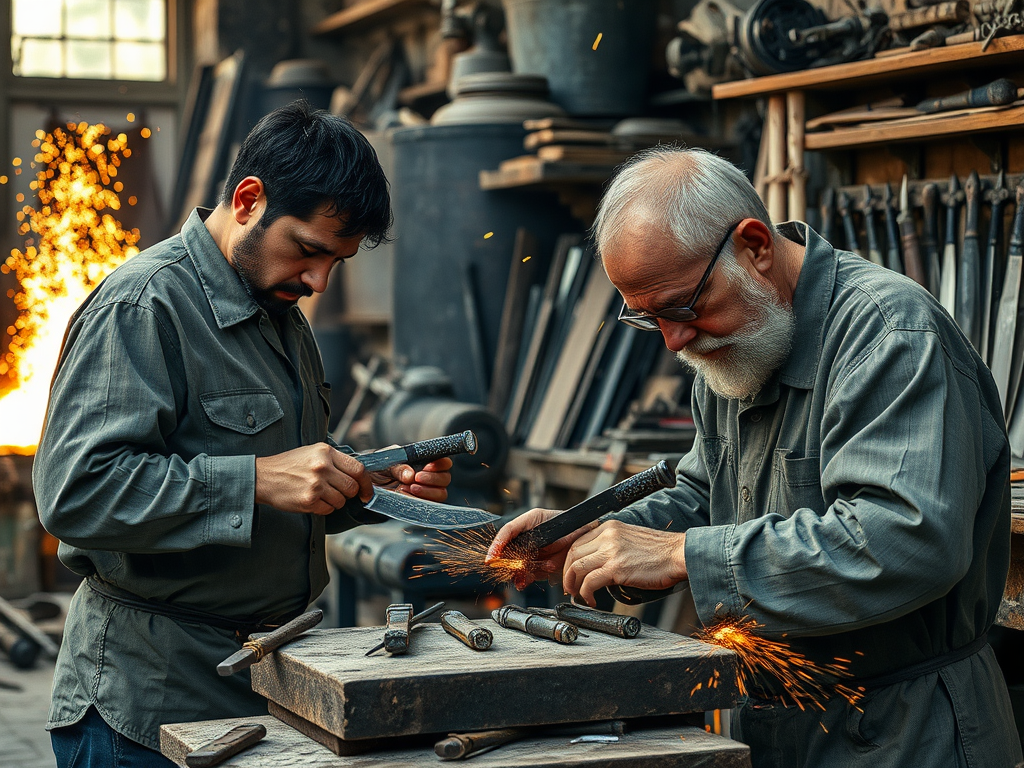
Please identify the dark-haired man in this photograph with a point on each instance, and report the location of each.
(183, 464)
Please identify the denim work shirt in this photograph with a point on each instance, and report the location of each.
(858, 505)
(171, 382)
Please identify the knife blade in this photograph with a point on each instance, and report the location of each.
(427, 514)
(874, 251)
(908, 233)
(892, 239)
(254, 650)
(845, 206)
(992, 266)
(1006, 316)
(968, 299)
(930, 237)
(947, 286)
(422, 452)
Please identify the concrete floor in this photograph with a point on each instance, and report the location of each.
(23, 741)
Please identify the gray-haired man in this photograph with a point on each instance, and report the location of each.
(848, 485)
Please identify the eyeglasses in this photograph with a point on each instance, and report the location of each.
(649, 322)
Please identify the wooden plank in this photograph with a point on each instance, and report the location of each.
(1002, 51)
(554, 153)
(554, 136)
(590, 313)
(914, 128)
(441, 686)
(365, 14)
(284, 747)
(522, 274)
(536, 171)
(775, 125)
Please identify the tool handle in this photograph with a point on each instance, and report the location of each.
(972, 198)
(461, 745)
(231, 743)
(997, 93)
(613, 499)
(635, 595)
(1016, 246)
(912, 252)
(286, 632)
(426, 451)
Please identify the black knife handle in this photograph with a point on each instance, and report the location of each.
(426, 451)
(231, 743)
(617, 497)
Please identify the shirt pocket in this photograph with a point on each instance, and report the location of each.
(234, 416)
(796, 483)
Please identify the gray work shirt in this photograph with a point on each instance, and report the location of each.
(171, 382)
(859, 504)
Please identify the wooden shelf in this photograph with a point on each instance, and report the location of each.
(915, 128)
(367, 13)
(1001, 52)
(531, 170)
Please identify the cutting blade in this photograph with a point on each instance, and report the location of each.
(428, 514)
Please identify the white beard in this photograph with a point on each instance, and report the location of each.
(758, 349)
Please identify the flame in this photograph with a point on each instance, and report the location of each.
(805, 682)
(462, 553)
(79, 243)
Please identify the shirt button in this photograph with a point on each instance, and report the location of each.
(745, 493)
(250, 420)
(236, 521)
(755, 416)
(312, 547)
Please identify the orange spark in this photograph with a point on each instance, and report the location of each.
(463, 553)
(806, 682)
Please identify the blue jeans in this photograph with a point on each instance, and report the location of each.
(91, 743)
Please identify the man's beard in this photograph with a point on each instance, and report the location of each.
(247, 259)
(757, 350)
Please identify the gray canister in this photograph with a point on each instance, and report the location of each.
(449, 276)
(555, 38)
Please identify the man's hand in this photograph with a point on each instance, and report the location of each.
(550, 559)
(430, 483)
(314, 480)
(627, 555)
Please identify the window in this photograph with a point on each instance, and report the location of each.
(95, 39)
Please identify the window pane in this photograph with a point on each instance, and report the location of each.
(36, 17)
(40, 58)
(88, 59)
(139, 19)
(88, 18)
(139, 61)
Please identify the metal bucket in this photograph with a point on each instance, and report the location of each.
(556, 38)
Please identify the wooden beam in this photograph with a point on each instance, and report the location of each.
(365, 14)
(795, 155)
(776, 127)
(1001, 52)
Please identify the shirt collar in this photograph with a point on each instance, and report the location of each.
(229, 300)
(811, 302)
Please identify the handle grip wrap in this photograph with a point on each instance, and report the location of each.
(439, 447)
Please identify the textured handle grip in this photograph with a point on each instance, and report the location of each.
(439, 447)
(289, 631)
(643, 484)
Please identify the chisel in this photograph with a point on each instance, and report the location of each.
(947, 286)
(874, 251)
(231, 743)
(254, 650)
(844, 205)
(1006, 316)
(892, 237)
(930, 238)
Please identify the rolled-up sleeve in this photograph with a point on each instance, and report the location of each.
(905, 448)
(103, 476)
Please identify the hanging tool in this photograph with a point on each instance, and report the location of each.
(412, 623)
(874, 251)
(254, 650)
(947, 286)
(968, 288)
(1006, 317)
(892, 237)
(908, 234)
(930, 237)
(995, 94)
(845, 206)
(992, 266)
(828, 214)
